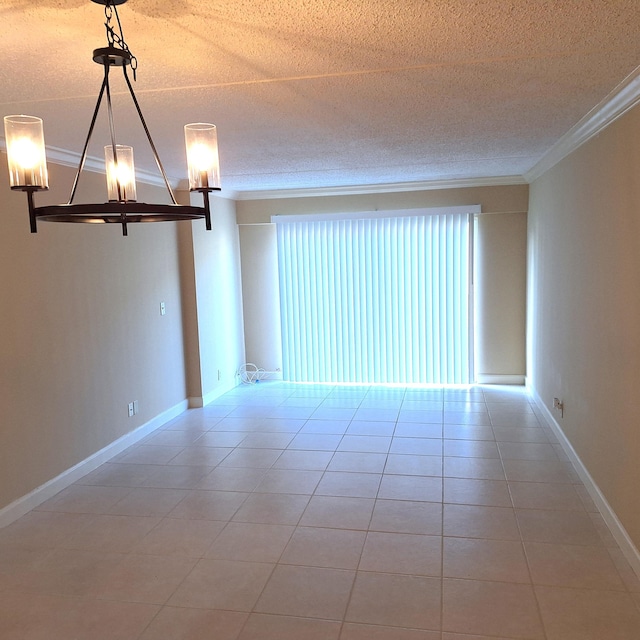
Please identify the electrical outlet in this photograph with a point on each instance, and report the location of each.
(163, 309)
(558, 405)
(130, 408)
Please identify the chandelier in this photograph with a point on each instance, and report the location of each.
(28, 167)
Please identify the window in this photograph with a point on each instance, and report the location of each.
(383, 297)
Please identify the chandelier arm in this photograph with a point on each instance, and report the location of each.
(146, 130)
(83, 157)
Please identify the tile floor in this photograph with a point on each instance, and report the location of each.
(295, 512)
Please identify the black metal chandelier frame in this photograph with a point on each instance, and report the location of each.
(122, 211)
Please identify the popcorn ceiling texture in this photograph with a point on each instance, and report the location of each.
(324, 93)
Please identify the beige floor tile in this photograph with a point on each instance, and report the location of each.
(85, 499)
(338, 512)
(176, 477)
(251, 542)
(460, 636)
(43, 529)
(180, 537)
(209, 505)
(353, 631)
(370, 428)
(404, 516)
(201, 456)
(584, 614)
(316, 442)
(222, 584)
(289, 481)
(148, 502)
(467, 432)
(627, 574)
(474, 468)
(176, 623)
(572, 566)
(143, 578)
(329, 427)
(514, 419)
(417, 430)
(17, 564)
(476, 559)
(148, 454)
(417, 446)
(402, 553)
(262, 626)
(539, 471)
(557, 527)
(515, 434)
(491, 608)
(69, 572)
(526, 451)
(349, 484)
(468, 521)
(395, 600)
(111, 533)
(542, 495)
(365, 444)
(220, 439)
(606, 536)
(304, 460)
(357, 462)
(486, 493)
(272, 508)
(471, 449)
(266, 440)
(417, 488)
(37, 617)
(412, 465)
(232, 479)
(319, 547)
(478, 418)
(251, 458)
(112, 474)
(312, 592)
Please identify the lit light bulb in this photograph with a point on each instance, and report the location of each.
(202, 156)
(25, 153)
(122, 173)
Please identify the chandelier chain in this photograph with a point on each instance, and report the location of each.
(115, 39)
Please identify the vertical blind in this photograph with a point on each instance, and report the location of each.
(384, 299)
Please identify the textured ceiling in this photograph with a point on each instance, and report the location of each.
(327, 93)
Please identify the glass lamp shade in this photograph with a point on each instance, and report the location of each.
(25, 152)
(121, 173)
(201, 140)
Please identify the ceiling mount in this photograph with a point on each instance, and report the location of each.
(28, 169)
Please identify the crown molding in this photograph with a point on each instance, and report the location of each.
(623, 98)
(358, 190)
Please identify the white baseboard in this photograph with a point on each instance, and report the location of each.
(490, 378)
(26, 503)
(618, 531)
(196, 402)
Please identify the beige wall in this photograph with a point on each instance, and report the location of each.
(81, 334)
(584, 302)
(212, 302)
(500, 296)
(261, 296)
(501, 239)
